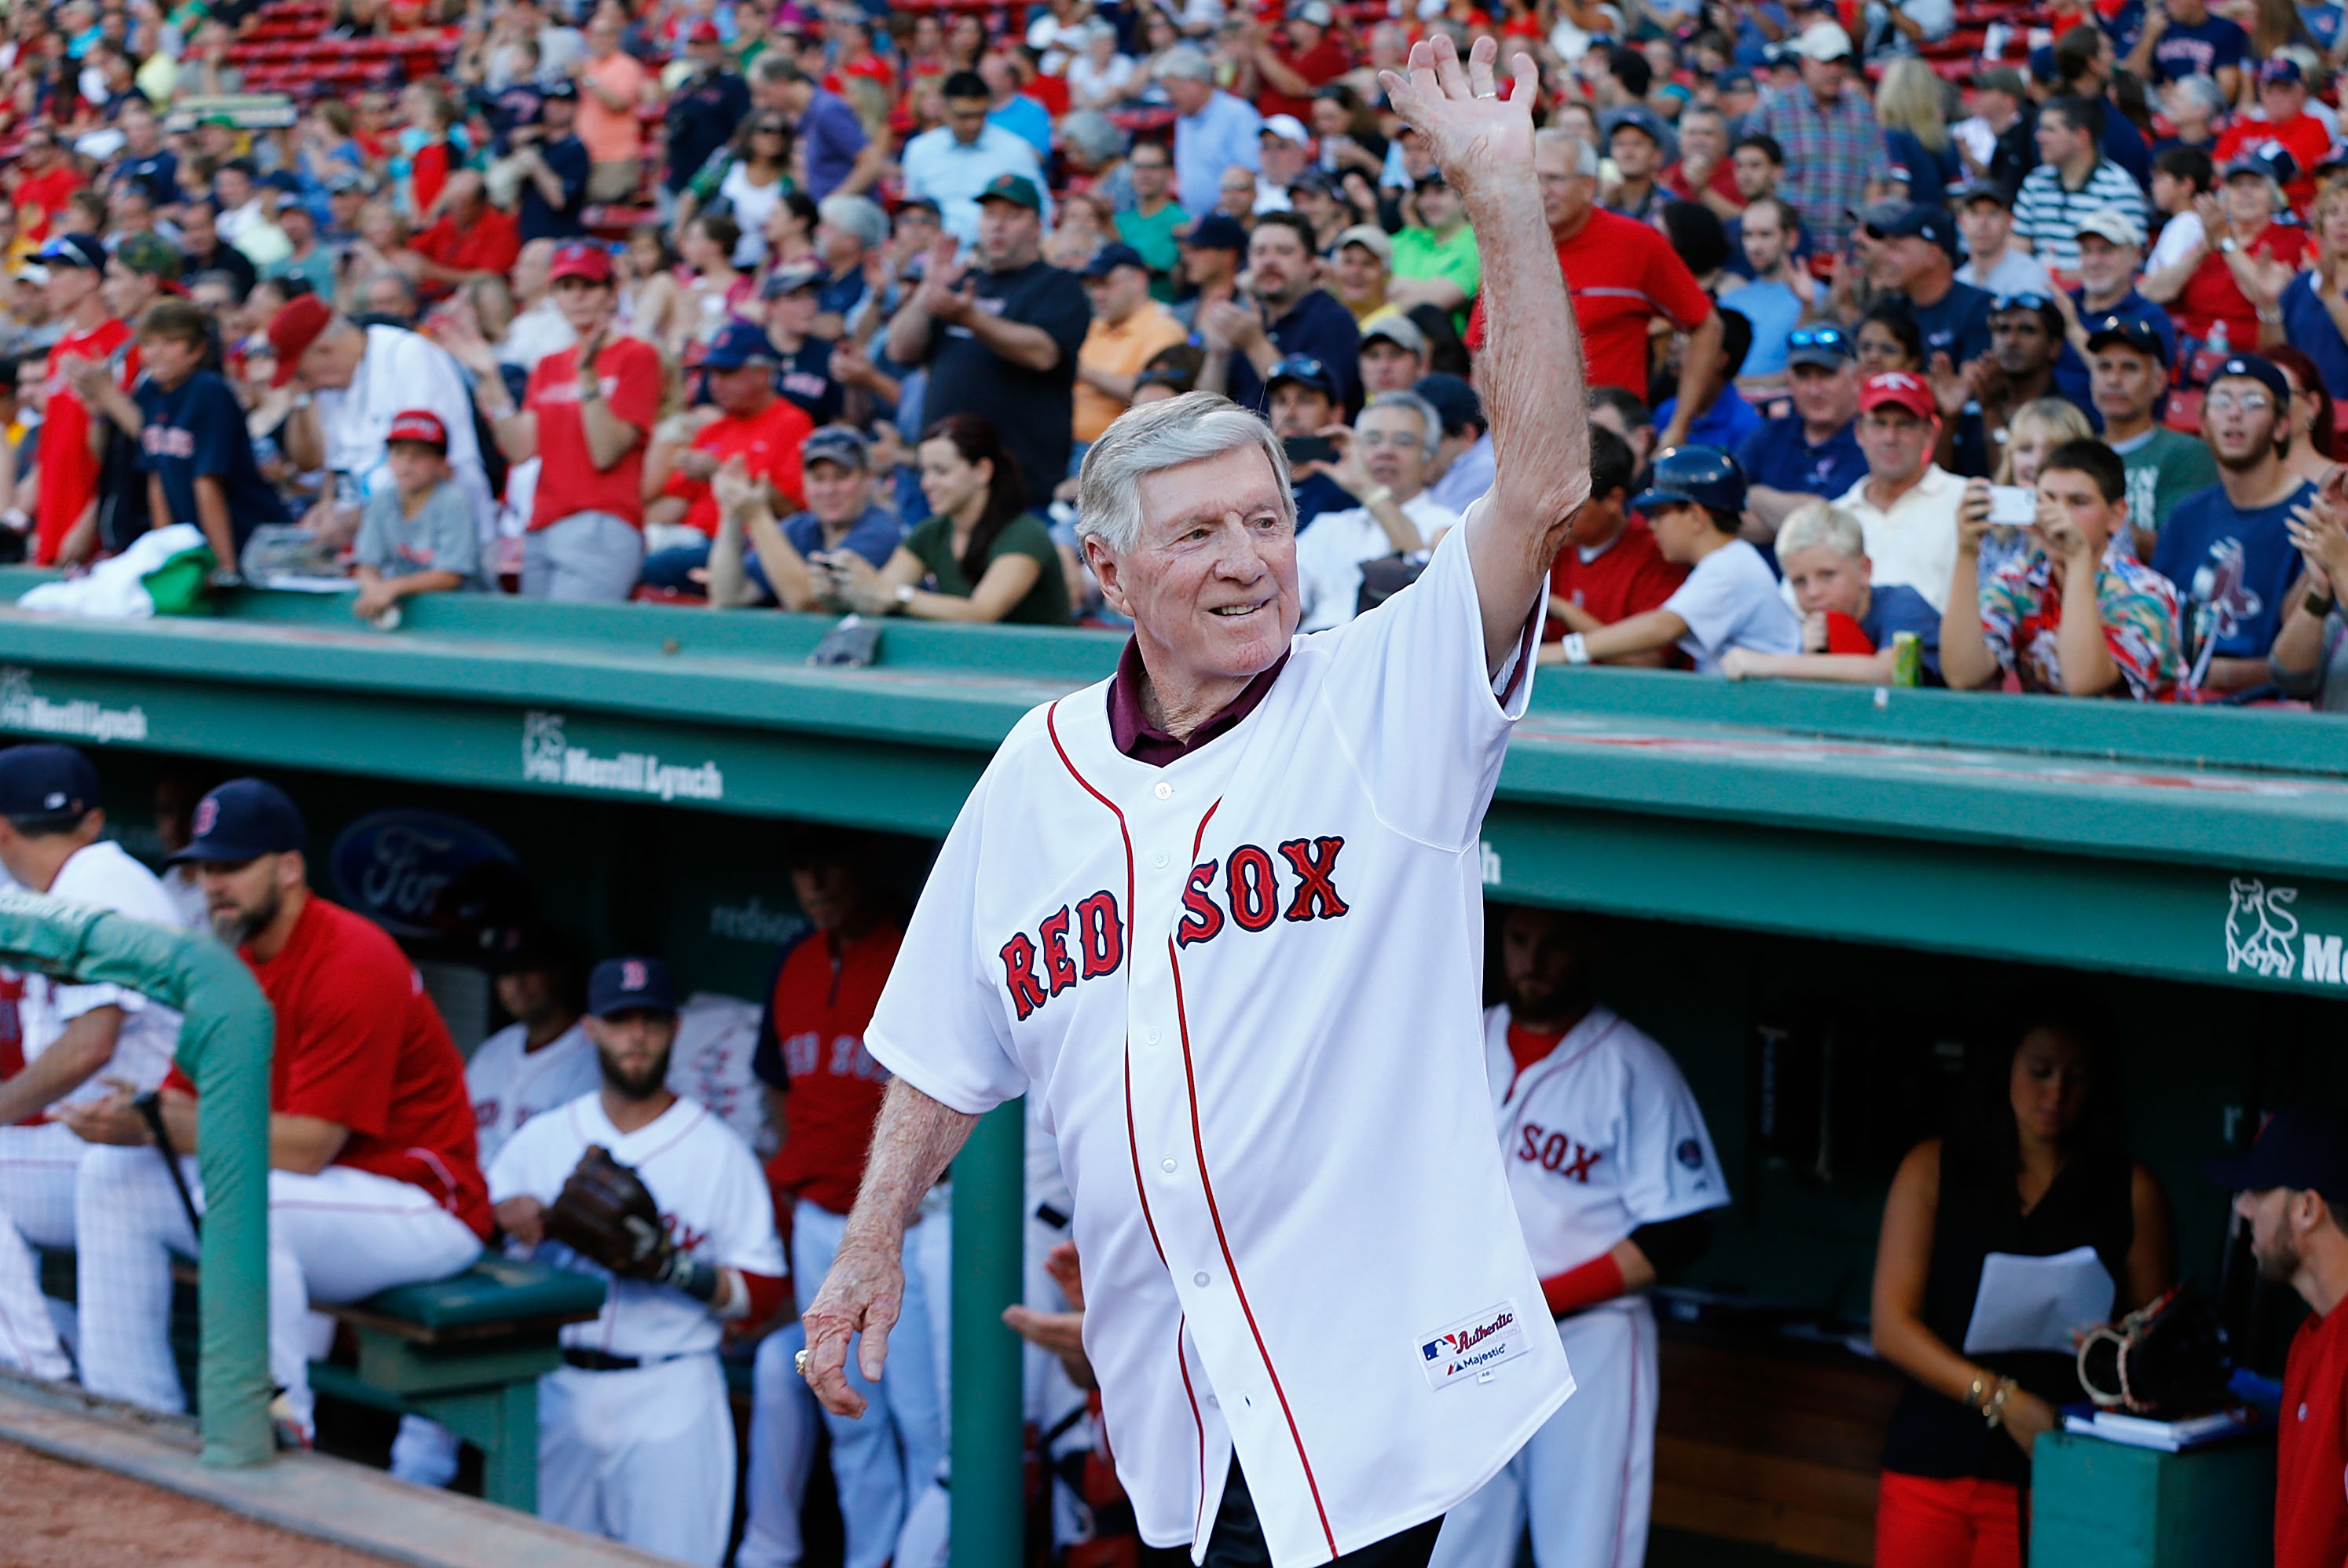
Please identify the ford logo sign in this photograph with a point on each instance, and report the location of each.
(392, 866)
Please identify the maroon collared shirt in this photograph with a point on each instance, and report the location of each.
(1136, 736)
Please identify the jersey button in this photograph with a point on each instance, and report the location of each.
(1151, 1036)
(1158, 860)
(1169, 1166)
(1163, 792)
(1198, 1278)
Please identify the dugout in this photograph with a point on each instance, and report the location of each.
(1820, 896)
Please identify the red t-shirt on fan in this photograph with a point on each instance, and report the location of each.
(768, 445)
(360, 1045)
(568, 481)
(2312, 1454)
(1621, 273)
(1629, 577)
(68, 471)
(823, 1001)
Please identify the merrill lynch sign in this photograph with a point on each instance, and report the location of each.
(2263, 937)
(547, 758)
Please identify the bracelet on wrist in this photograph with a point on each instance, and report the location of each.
(1376, 496)
(1576, 650)
(1992, 1409)
(2319, 604)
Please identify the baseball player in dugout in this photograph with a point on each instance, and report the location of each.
(633, 1181)
(1223, 913)
(1613, 1173)
(372, 1177)
(824, 1092)
(75, 1039)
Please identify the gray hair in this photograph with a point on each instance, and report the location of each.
(1187, 62)
(1092, 136)
(2206, 92)
(1585, 157)
(1430, 422)
(1158, 435)
(1816, 522)
(857, 216)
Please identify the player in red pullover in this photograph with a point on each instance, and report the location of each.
(2293, 1189)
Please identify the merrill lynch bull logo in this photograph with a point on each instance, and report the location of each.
(2262, 931)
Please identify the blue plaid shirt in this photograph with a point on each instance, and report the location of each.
(1830, 156)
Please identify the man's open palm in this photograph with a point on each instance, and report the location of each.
(1459, 109)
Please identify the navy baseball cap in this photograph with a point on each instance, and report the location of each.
(81, 251)
(1921, 220)
(1109, 258)
(2303, 1148)
(242, 818)
(2281, 69)
(1974, 191)
(2262, 371)
(1736, 80)
(1305, 371)
(841, 444)
(2134, 331)
(741, 343)
(1215, 231)
(46, 781)
(622, 985)
(791, 279)
(1455, 400)
(2269, 160)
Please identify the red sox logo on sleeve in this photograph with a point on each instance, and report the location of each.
(1086, 941)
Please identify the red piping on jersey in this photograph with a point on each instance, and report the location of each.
(1230, 1265)
(1132, 1144)
(1199, 1515)
(1517, 1082)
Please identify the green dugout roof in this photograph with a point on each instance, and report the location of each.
(2204, 844)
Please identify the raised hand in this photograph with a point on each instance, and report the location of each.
(1475, 134)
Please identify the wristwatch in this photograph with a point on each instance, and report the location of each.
(904, 594)
(2230, 244)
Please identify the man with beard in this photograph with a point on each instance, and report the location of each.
(1976, 399)
(635, 1440)
(2226, 547)
(1612, 1171)
(1285, 315)
(372, 1177)
(2288, 1191)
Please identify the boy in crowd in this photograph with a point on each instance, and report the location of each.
(192, 438)
(418, 534)
(1695, 504)
(1611, 569)
(1849, 624)
(2070, 617)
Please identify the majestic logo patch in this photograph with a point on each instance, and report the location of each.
(1691, 1153)
(1468, 1351)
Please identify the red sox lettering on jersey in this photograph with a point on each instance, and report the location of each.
(1178, 963)
(1243, 892)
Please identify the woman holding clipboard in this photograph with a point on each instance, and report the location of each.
(2028, 1221)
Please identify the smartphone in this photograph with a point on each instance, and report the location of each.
(1302, 449)
(2012, 506)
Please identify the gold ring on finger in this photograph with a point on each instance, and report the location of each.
(798, 1363)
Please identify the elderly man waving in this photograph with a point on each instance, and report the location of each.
(1191, 908)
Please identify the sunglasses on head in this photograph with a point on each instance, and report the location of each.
(1296, 366)
(2021, 302)
(1816, 337)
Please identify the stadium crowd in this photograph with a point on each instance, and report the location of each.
(820, 308)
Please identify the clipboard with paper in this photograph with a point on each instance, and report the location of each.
(2038, 1302)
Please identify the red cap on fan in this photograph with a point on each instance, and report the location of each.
(418, 424)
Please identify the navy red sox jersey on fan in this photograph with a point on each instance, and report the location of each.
(1244, 988)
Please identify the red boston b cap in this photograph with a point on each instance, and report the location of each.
(579, 259)
(1897, 389)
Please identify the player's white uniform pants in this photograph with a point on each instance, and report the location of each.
(644, 1455)
(881, 1462)
(39, 1167)
(1586, 1480)
(340, 1235)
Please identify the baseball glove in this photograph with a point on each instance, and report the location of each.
(606, 1214)
(2168, 1359)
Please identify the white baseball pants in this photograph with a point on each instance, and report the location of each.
(38, 1168)
(338, 1236)
(644, 1456)
(1586, 1480)
(784, 1420)
(883, 1461)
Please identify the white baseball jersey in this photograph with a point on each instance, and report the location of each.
(103, 874)
(715, 1037)
(508, 1085)
(1246, 986)
(712, 1197)
(1600, 1137)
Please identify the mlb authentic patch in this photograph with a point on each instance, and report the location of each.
(1466, 1351)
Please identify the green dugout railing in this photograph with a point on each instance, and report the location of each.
(224, 1045)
